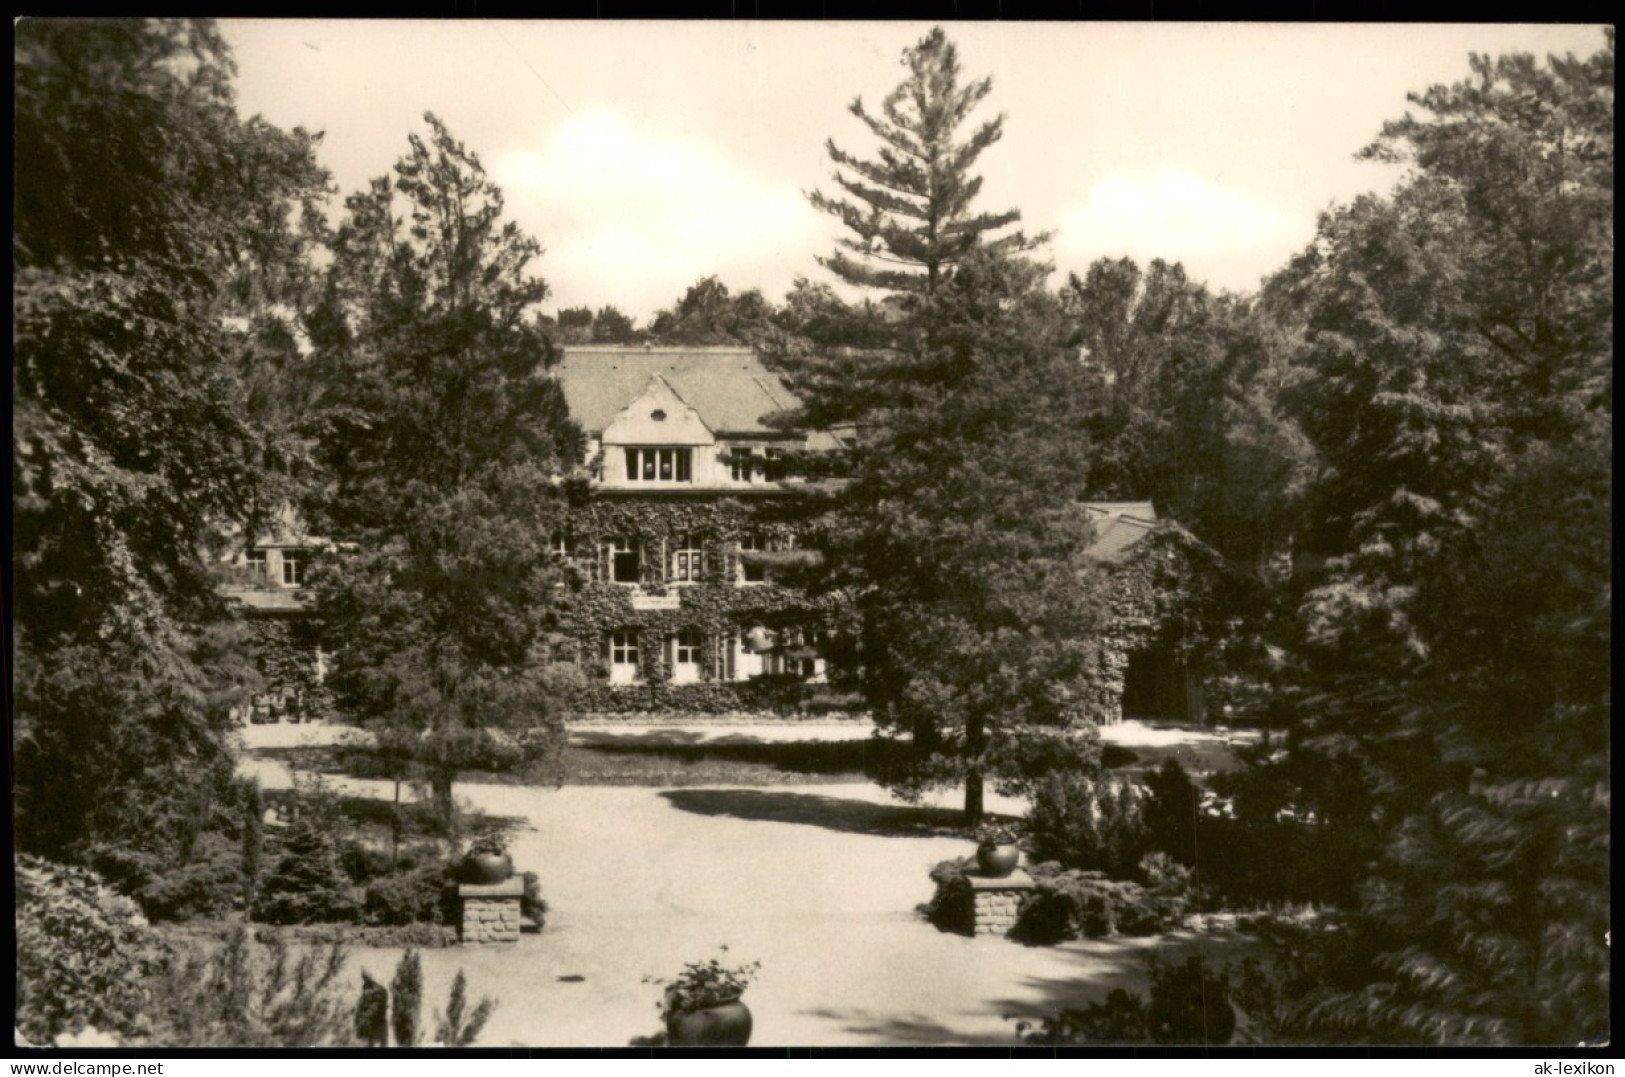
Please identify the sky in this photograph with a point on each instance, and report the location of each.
(647, 155)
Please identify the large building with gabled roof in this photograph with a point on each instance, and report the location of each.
(683, 544)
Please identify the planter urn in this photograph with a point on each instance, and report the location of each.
(487, 868)
(996, 860)
(725, 1025)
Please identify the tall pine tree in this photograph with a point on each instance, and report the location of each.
(910, 207)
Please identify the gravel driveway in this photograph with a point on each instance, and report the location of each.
(819, 883)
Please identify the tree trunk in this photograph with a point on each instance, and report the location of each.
(443, 802)
(973, 797)
(975, 742)
(395, 830)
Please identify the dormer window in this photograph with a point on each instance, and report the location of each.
(746, 464)
(660, 465)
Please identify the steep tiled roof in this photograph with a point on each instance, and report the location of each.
(729, 387)
(1119, 525)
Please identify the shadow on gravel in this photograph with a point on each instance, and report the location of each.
(915, 1031)
(1105, 964)
(811, 809)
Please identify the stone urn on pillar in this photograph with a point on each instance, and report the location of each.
(486, 862)
(997, 853)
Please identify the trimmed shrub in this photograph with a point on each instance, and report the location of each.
(307, 885)
(953, 906)
(1171, 887)
(531, 905)
(1088, 824)
(408, 897)
(1069, 904)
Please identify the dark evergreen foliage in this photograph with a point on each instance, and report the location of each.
(307, 885)
(406, 1000)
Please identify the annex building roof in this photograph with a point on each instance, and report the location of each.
(729, 387)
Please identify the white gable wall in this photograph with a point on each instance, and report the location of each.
(677, 426)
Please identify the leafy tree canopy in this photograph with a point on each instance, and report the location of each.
(446, 448)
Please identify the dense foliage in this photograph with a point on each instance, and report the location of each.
(82, 954)
(1453, 719)
(444, 448)
(1188, 1003)
(153, 236)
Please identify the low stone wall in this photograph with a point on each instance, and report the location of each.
(491, 912)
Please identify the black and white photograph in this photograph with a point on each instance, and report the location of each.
(1018, 537)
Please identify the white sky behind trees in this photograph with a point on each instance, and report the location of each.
(645, 155)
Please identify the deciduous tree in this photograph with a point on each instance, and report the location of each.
(151, 224)
(1458, 342)
(447, 449)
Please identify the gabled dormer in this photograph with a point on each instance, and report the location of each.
(658, 440)
(678, 419)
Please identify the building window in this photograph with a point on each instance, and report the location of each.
(624, 566)
(293, 568)
(686, 646)
(561, 544)
(751, 572)
(258, 566)
(687, 560)
(659, 465)
(623, 656)
(746, 464)
(727, 649)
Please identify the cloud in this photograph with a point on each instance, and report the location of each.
(633, 219)
(1221, 236)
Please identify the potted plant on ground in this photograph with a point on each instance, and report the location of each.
(701, 1005)
(996, 851)
(487, 861)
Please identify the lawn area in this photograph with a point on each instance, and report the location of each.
(673, 755)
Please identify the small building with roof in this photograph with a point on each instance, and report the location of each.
(264, 574)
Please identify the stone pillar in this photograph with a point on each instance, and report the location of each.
(997, 902)
(491, 911)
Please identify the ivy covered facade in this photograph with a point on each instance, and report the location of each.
(679, 551)
(265, 579)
